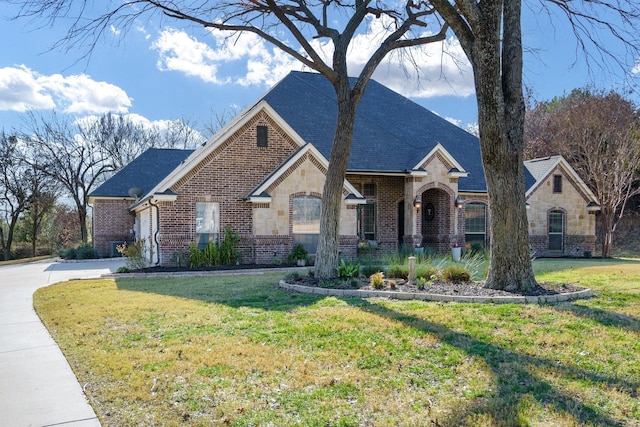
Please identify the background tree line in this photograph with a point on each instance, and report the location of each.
(598, 133)
(49, 167)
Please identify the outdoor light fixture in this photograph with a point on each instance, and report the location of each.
(458, 202)
(417, 202)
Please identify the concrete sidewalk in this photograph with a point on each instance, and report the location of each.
(37, 386)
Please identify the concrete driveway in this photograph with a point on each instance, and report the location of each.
(37, 386)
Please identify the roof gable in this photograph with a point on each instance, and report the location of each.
(260, 195)
(542, 168)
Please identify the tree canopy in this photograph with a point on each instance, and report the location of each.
(489, 32)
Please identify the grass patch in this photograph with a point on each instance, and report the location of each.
(235, 350)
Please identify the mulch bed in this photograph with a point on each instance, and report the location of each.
(441, 287)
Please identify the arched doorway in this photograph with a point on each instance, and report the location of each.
(436, 219)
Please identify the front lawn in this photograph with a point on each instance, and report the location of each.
(235, 350)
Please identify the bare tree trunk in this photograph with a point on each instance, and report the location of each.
(329, 239)
(607, 229)
(498, 80)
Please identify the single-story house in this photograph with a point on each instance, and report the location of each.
(413, 178)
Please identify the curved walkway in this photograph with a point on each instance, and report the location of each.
(541, 299)
(37, 386)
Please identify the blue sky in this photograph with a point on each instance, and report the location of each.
(166, 72)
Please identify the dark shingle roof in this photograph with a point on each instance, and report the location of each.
(392, 133)
(145, 171)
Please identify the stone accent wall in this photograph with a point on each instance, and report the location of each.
(579, 225)
(112, 222)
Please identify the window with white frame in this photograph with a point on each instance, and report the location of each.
(475, 222)
(207, 223)
(306, 221)
(556, 230)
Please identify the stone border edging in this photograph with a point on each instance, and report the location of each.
(358, 293)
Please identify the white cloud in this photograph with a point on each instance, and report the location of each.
(435, 69)
(22, 88)
(21, 91)
(636, 68)
(181, 52)
(432, 70)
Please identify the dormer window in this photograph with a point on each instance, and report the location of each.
(262, 136)
(557, 183)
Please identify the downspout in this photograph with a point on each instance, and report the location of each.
(155, 235)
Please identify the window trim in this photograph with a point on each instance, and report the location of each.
(557, 184)
(466, 219)
(262, 136)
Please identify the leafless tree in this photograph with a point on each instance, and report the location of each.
(75, 162)
(599, 134)
(489, 31)
(123, 139)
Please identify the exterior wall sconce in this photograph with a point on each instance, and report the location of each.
(458, 202)
(417, 202)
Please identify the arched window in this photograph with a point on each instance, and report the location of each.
(475, 222)
(306, 222)
(556, 230)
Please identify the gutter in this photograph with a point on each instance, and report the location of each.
(155, 235)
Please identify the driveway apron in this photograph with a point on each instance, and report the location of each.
(37, 385)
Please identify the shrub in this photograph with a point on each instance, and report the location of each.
(392, 283)
(420, 282)
(457, 273)
(348, 270)
(67, 253)
(398, 270)
(82, 251)
(377, 280)
(134, 254)
(298, 252)
(85, 251)
(224, 253)
(427, 270)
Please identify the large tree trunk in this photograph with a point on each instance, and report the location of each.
(498, 81)
(329, 239)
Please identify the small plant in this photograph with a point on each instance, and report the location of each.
(123, 269)
(392, 283)
(348, 270)
(420, 282)
(377, 280)
(456, 273)
(135, 254)
(298, 253)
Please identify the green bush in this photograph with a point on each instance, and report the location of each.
(298, 252)
(456, 273)
(368, 269)
(223, 253)
(83, 251)
(67, 253)
(348, 270)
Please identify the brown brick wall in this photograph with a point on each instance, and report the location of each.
(112, 222)
(226, 176)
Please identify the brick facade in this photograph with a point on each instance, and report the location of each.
(112, 224)
(230, 169)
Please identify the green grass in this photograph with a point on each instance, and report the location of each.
(235, 350)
